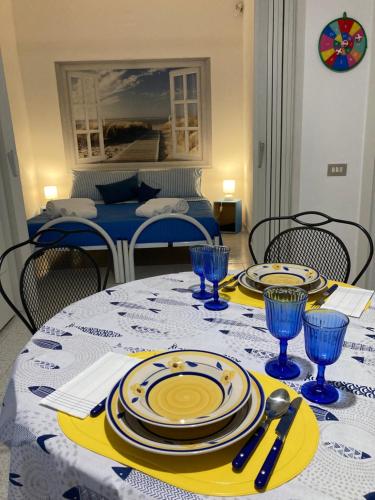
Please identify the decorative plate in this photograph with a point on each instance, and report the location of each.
(186, 441)
(342, 44)
(244, 281)
(282, 274)
(185, 388)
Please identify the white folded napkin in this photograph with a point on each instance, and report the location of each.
(81, 394)
(349, 301)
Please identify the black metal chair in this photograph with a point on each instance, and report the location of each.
(311, 245)
(55, 275)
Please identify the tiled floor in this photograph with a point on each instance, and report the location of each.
(239, 250)
(14, 335)
(169, 262)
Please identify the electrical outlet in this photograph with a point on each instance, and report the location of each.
(337, 169)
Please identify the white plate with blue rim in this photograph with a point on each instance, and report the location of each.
(186, 441)
(244, 281)
(186, 388)
(282, 274)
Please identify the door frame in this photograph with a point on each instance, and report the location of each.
(275, 23)
(367, 207)
(11, 188)
(369, 281)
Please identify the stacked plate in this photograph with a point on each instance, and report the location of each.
(257, 278)
(185, 403)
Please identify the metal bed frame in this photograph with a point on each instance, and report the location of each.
(116, 249)
(128, 249)
(123, 251)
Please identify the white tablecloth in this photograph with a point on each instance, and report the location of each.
(159, 313)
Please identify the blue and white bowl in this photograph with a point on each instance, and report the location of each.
(186, 441)
(282, 274)
(187, 388)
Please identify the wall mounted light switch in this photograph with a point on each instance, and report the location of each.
(337, 169)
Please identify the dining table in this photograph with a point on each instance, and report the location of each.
(160, 314)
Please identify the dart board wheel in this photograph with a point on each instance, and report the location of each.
(342, 44)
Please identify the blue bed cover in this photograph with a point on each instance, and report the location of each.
(120, 222)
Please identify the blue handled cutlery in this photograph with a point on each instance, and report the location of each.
(320, 301)
(282, 431)
(276, 405)
(98, 409)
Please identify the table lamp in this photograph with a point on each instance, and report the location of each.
(229, 187)
(50, 192)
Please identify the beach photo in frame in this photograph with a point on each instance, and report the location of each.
(136, 112)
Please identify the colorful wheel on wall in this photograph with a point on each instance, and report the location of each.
(342, 44)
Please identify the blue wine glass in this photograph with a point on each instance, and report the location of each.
(284, 308)
(324, 336)
(196, 253)
(215, 270)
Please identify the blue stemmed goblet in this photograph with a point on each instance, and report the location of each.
(324, 336)
(215, 270)
(284, 308)
(196, 253)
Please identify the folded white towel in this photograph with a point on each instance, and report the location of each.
(86, 213)
(158, 206)
(74, 207)
(81, 394)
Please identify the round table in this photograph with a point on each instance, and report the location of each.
(160, 314)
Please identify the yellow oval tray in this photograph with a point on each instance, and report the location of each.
(207, 474)
(247, 298)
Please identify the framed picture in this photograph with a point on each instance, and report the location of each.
(130, 114)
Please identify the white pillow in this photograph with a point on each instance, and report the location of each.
(174, 182)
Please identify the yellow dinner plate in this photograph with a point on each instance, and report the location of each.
(281, 274)
(318, 286)
(185, 389)
(186, 441)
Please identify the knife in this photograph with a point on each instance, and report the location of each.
(320, 301)
(282, 431)
(98, 409)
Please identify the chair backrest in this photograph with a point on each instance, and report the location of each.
(55, 275)
(152, 220)
(312, 245)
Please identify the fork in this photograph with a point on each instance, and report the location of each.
(230, 285)
(320, 301)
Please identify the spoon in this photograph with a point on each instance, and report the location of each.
(276, 405)
(231, 284)
(230, 288)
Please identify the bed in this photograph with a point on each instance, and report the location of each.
(120, 223)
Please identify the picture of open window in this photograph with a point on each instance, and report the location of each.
(147, 113)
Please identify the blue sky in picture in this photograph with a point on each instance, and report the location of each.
(135, 93)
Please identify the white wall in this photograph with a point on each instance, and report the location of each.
(333, 118)
(48, 31)
(15, 90)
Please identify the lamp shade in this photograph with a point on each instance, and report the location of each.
(229, 186)
(50, 192)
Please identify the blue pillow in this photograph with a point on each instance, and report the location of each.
(119, 191)
(146, 193)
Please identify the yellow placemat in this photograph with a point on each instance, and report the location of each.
(207, 474)
(247, 298)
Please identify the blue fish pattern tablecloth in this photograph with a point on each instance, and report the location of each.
(160, 314)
